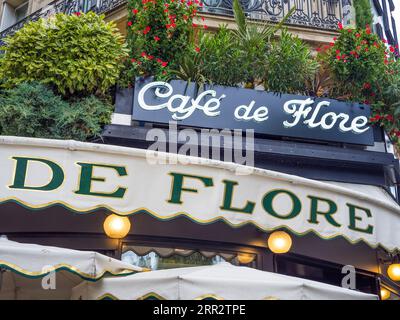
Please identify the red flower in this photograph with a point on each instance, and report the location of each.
(150, 57)
(130, 23)
(368, 31)
(77, 13)
(390, 118)
(146, 30)
(367, 86)
(197, 49)
(205, 27)
(358, 35)
(334, 39)
(194, 25)
(340, 26)
(337, 51)
(331, 44)
(143, 54)
(156, 38)
(135, 11)
(392, 49)
(164, 64)
(133, 60)
(338, 57)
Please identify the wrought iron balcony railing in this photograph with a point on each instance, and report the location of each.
(324, 14)
(67, 7)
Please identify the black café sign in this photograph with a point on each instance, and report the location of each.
(266, 113)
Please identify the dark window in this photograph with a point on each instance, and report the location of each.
(323, 271)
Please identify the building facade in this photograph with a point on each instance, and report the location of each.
(162, 241)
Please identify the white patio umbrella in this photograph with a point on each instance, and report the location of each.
(222, 281)
(25, 270)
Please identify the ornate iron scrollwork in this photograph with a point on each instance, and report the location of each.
(324, 14)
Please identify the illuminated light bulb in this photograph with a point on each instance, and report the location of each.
(394, 271)
(385, 294)
(245, 258)
(116, 227)
(279, 242)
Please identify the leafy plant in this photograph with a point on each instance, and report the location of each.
(253, 38)
(159, 33)
(83, 119)
(365, 69)
(76, 54)
(33, 110)
(229, 57)
(215, 58)
(290, 65)
(357, 60)
(363, 13)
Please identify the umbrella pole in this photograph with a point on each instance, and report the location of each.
(2, 270)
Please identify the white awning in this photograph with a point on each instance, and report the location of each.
(30, 271)
(221, 281)
(38, 173)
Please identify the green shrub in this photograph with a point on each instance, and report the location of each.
(363, 13)
(29, 110)
(77, 54)
(290, 65)
(229, 57)
(224, 61)
(83, 119)
(215, 58)
(364, 69)
(33, 110)
(357, 59)
(159, 33)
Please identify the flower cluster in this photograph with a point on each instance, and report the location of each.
(159, 32)
(363, 68)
